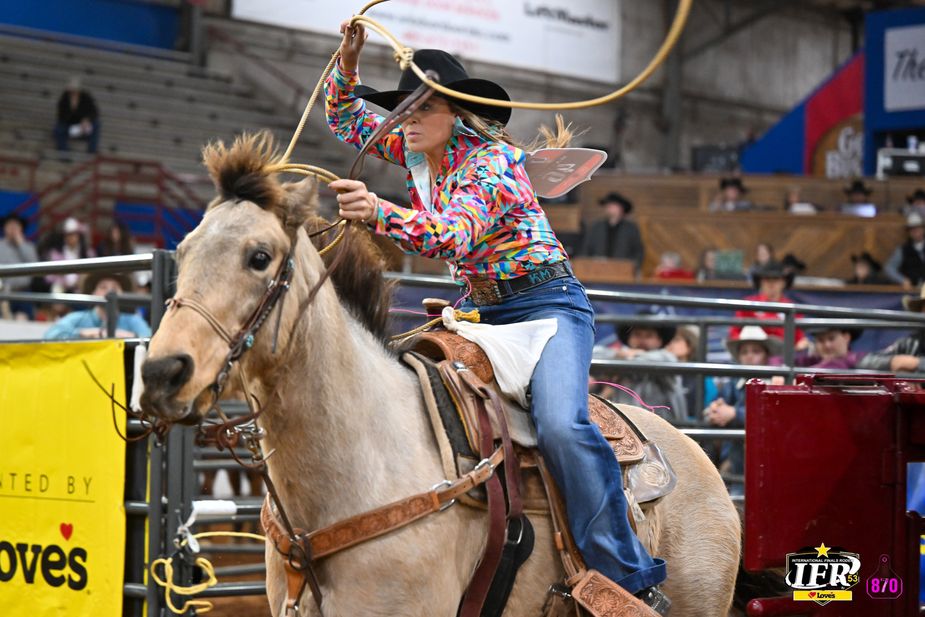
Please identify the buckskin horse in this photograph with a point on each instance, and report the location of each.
(344, 418)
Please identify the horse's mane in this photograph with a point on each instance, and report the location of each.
(358, 276)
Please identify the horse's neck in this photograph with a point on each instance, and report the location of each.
(346, 423)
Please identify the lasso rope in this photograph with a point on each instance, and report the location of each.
(404, 55)
(201, 606)
(471, 316)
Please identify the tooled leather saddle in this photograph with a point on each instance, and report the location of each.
(438, 357)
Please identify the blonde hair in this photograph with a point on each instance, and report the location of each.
(492, 130)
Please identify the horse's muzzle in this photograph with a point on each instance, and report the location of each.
(163, 379)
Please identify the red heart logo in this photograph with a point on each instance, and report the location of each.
(66, 530)
(812, 594)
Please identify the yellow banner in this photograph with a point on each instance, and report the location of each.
(824, 595)
(62, 476)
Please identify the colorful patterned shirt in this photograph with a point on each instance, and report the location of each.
(480, 213)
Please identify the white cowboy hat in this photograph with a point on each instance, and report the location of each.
(756, 334)
(72, 225)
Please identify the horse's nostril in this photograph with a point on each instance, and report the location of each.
(169, 373)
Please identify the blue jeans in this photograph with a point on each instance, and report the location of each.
(62, 137)
(578, 456)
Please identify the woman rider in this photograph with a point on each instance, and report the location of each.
(473, 205)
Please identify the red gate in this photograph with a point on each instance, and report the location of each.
(826, 463)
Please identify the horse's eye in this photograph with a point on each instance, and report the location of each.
(260, 261)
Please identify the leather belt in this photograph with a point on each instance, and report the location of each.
(487, 291)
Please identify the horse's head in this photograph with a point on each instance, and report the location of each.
(225, 267)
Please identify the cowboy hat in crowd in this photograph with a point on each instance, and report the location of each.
(755, 334)
(665, 333)
(772, 270)
(734, 182)
(917, 195)
(616, 198)
(853, 333)
(858, 186)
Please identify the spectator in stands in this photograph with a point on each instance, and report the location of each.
(671, 268)
(916, 203)
(858, 199)
(71, 244)
(764, 253)
(831, 348)
(795, 204)
(117, 242)
(752, 346)
(712, 268)
(646, 343)
(906, 265)
(868, 271)
(684, 346)
(614, 236)
(91, 323)
(731, 196)
(78, 117)
(906, 355)
(771, 280)
(16, 249)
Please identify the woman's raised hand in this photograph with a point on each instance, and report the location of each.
(351, 45)
(355, 202)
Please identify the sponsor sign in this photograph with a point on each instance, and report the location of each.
(62, 475)
(580, 38)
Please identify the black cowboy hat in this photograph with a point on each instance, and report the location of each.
(792, 263)
(772, 270)
(452, 75)
(614, 197)
(92, 280)
(916, 195)
(858, 186)
(665, 333)
(866, 257)
(736, 182)
(12, 216)
(853, 333)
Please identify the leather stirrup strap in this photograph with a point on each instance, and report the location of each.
(568, 553)
(477, 591)
(495, 409)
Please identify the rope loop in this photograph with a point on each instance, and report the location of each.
(404, 57)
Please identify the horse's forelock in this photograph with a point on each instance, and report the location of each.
(244, 171)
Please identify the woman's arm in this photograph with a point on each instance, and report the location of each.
(347, 115)
(484, 194)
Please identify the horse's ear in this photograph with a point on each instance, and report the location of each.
(301, 201)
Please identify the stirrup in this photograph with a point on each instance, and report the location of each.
(601, 597)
